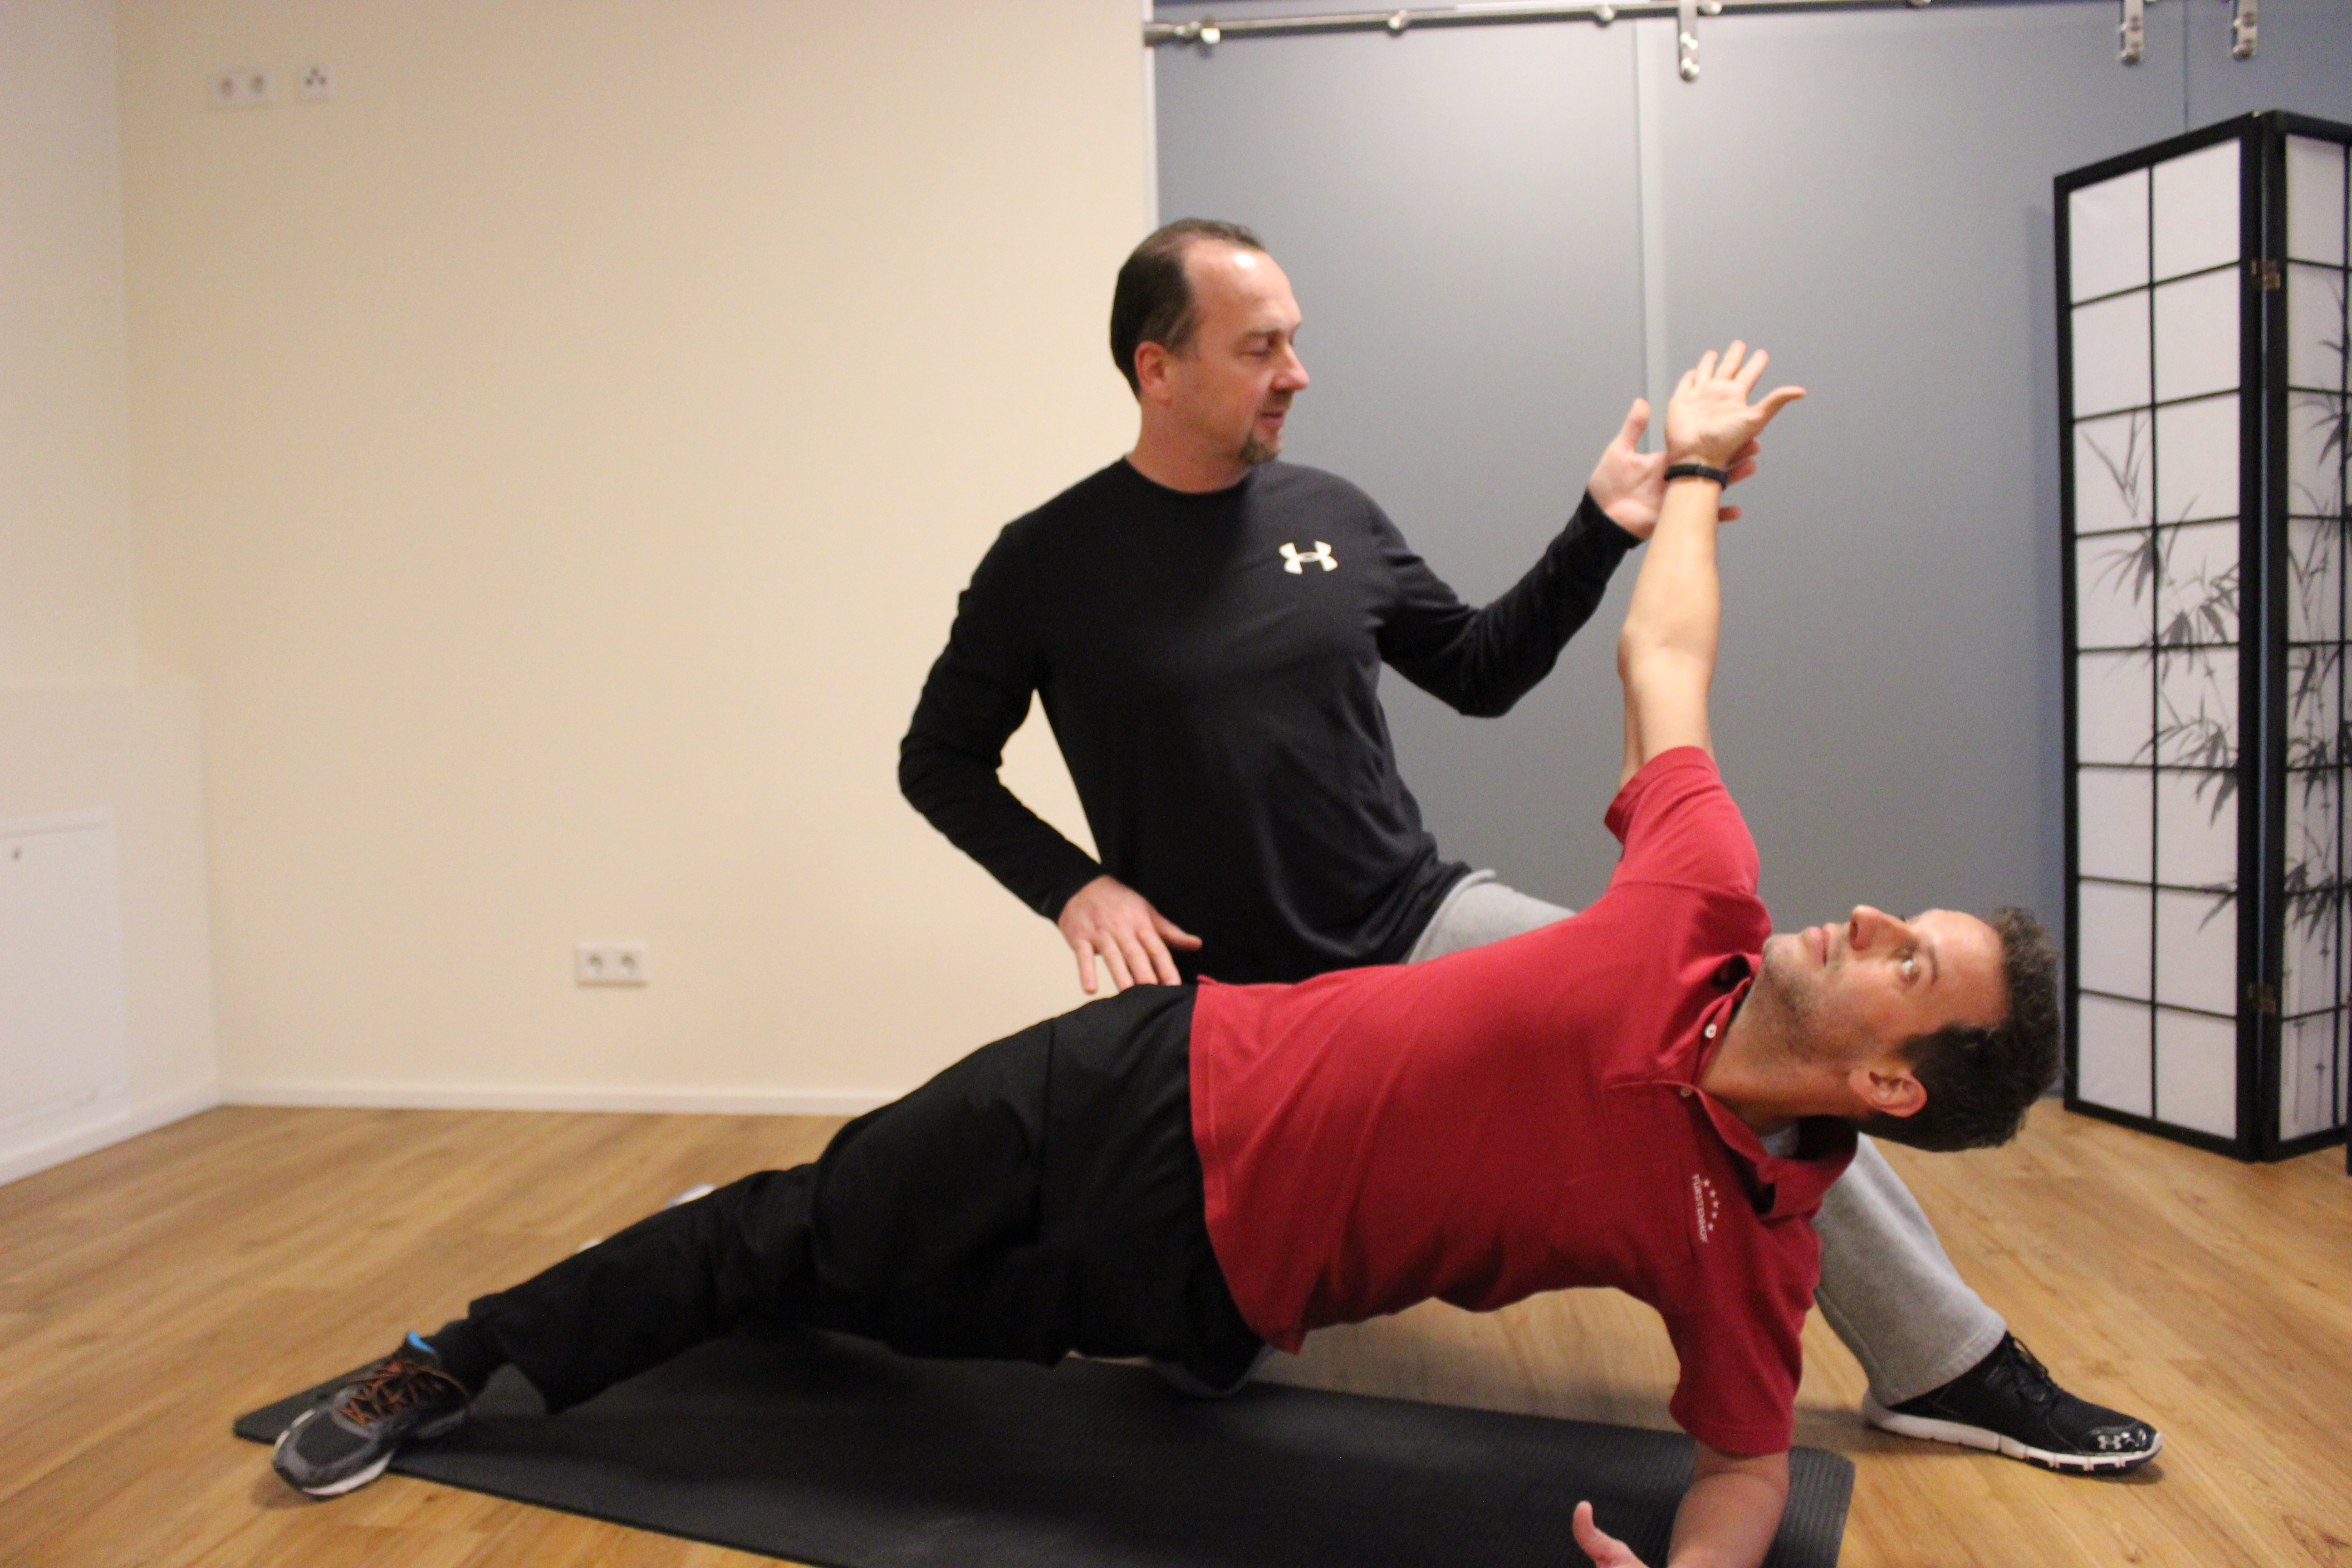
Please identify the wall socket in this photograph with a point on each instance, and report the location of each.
(315, 84)
(245, 87)
(609, 964)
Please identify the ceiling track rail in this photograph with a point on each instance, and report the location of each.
(1208, 32)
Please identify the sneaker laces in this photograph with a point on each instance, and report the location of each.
(395, 1384)
(2031, 1378)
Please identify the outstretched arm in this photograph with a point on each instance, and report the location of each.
(1665, 655)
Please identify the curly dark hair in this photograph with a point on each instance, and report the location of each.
(1981, 1082)
(1153, 300)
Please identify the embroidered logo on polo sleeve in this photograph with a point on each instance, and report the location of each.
(1295, 562)
(1707, 1204)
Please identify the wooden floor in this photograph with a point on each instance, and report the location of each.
(150, 1292)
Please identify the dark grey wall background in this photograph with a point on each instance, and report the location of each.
(1867, 194)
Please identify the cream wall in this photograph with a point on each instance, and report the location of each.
(76, 735)
(556, 457)
(64, 516)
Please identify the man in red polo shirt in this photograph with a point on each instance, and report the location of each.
(1650, 1095)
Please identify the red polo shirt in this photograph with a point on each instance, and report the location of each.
(1525, 1117)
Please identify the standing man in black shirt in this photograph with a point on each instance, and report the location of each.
(1205, 626)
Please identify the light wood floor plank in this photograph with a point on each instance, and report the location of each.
(151, 1291)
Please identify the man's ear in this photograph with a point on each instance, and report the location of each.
(1151, 371)
(1888, 1088)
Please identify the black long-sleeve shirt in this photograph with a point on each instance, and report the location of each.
(1210, 665)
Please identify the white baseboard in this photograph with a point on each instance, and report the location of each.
(93, 1128)
(524, 1097)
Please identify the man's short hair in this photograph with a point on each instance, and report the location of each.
(1153, 300)
(1981, 1082)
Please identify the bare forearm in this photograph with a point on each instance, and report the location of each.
(1728, 1518)
(1677, 603)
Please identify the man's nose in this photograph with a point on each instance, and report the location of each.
(1293, 373)
(1869, 925)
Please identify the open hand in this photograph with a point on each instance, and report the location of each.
(1630, 485)
(1709, 419)
(1605, 1549)
(1108, 919)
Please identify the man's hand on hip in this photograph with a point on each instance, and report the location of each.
(1630, 485)
(1110, 920)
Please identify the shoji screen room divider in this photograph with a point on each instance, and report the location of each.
(2202, 387)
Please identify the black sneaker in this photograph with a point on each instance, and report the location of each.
(345, 1441)
(2008, 1402)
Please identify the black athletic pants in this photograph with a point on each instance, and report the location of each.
(1042, 1195)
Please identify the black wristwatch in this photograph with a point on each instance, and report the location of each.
(1695, 472)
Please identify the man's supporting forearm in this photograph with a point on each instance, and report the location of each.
(1732, 1511)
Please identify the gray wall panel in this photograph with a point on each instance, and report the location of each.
(2303, 62)
(1876, 207)
(1868, 193)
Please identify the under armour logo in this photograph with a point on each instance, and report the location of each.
(1296, 564)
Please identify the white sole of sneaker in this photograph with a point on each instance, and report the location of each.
(360, 1477)
(349, 1483)
(1968, 1436)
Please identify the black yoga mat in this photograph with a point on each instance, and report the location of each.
(830, 1452)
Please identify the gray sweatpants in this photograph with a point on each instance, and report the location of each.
(1886, 1287)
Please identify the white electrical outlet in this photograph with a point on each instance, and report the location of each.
(245, 87)
(315, 84)
(609, 964)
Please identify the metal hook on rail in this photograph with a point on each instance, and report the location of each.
(2241, 30)
(2133, 32)
(1687, 38)
(1205, 32)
